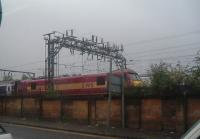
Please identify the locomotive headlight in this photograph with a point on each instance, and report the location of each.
(137, 83)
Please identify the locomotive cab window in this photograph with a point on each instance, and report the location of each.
(33, 86)
(100, 81)
(134, 76)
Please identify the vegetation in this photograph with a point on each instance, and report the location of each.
(167, 78)
(195, 74)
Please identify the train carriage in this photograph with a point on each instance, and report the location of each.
(6, 88)
(92, 84)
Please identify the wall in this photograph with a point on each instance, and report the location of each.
(152, 113)
(75, 110)
(193, 111)
(133, 113)
(30, 107)
(13, 106)
(51, 109)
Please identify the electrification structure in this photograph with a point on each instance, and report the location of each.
(55, 41)
(31, 75)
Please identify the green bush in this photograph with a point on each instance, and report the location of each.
(166, 78)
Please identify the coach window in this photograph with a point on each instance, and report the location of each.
(100, 81)
(33, 86)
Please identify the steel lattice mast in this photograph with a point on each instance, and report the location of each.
(55, 41)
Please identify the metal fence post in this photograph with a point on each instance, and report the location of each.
(122, 99)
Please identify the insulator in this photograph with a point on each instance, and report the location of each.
(114, 47)
(108, 44)
(122, 47)
(66, 33)
(101, 40)
(96, 39)
(72, 32)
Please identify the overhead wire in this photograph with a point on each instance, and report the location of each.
(134, 43)
(171, 57)
(163, 38)
(172, 53)
(167, 48)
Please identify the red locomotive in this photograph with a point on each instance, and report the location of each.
(92, 84)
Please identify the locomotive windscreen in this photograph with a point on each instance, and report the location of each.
(134, 76)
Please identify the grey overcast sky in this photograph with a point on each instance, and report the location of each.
(151, 30)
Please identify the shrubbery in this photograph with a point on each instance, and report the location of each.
(167, 78)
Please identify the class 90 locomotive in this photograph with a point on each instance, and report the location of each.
(91, 84)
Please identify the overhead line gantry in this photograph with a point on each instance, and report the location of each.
(55, 41)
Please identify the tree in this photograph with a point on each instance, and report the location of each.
(179, 75)
(160, 77)
(195, 73)
(167, 78)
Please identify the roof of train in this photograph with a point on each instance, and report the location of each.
(81, 76)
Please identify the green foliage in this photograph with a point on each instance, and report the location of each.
(160, 77)
(195, 74)
(179, 75)
(166, 78)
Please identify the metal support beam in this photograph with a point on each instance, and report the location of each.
(56, 41)
(109, 95)
(122, 101)
(49, 61)
(30, 74)
(50, 66)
